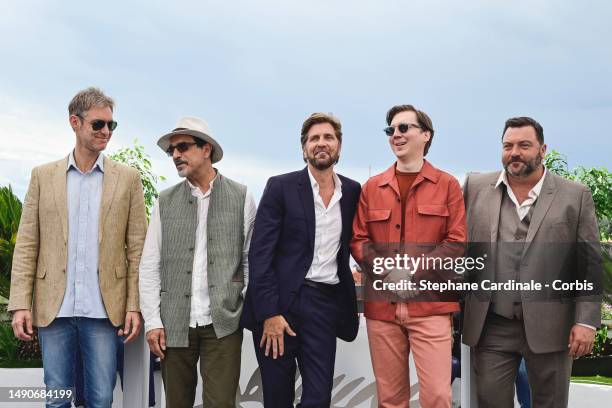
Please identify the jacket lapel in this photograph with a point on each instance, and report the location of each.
(61, 195)
(109, 184)
(345, 211)
(542, 205)
(307, 199)
(494, 199)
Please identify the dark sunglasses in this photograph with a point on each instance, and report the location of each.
(99, 124)
(181, 147)
(403, 128)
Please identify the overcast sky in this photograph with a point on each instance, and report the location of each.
(254, 70)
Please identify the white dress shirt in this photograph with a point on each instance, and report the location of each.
(523, 208)
(328, 228)
(150, 279)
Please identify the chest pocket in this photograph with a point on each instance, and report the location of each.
(377, 222)
(433, 218)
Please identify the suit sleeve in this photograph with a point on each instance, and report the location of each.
(135, 236)
(25, 256)
(456, 231)
(263, 285)
(588, 303)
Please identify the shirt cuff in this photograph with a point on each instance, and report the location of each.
(587, 325)
(151, 324)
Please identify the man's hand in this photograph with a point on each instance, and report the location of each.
(273, 335)
(157, 342)
(580, 341)
(22, 324)
(131, 327)
(399, 276)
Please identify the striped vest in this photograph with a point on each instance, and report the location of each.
(225, 241)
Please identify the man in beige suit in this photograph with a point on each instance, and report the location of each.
(75, 266)
(545, 229)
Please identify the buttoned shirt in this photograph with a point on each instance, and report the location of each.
(522, 209)
(84, 196)
(328, 228)
(150, 280)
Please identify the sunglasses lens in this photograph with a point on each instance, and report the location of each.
(389, 130)
(112, 125)
(182, 147)
(403, 128)
(97, 124)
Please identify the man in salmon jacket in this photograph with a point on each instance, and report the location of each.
(409, 205)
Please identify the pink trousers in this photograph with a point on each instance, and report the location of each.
(429, 339)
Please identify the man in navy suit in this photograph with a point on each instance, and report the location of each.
(301, 294)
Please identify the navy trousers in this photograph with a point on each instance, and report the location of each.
(313, 316)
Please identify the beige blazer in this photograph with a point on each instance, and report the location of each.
(38, 277)
(564, 213)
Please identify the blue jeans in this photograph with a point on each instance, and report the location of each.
(523, 392)
(97, 342)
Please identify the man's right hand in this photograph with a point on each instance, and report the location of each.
(22, 324)
(157, 342)
(273, 335)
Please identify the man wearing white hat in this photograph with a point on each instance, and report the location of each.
(194, 270)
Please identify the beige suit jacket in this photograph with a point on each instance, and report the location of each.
(564, 213)
(38, 277)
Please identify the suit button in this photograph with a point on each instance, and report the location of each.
(397, 226)
(188, 272)
(191, 249)
(190, 201)
(210, 262)
(399, 200)
(187, 295)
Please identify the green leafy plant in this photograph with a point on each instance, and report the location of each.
(8, 343)
(606, 311)
(10, 215)
(137, 158)
(602, 345)
(597, 179)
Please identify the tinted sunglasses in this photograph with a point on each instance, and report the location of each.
(403, 128)
(99, 124)
(181, 147)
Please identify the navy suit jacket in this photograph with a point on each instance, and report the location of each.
(282, 249)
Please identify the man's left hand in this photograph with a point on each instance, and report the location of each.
(131, 327)
(580, 341)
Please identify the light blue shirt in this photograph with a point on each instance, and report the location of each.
(84, 190)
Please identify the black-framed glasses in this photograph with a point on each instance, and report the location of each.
(403, 128)
(99, 124)
(181, 147)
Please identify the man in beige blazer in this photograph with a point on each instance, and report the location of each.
(75, 265)
(545, 229)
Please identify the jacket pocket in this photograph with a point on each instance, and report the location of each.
(377, 223)
(432, 218)
(378, 215)
(433, 209)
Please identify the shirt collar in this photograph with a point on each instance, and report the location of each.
(535, 191)
(315, 184)
(195, 189)
(99, 162)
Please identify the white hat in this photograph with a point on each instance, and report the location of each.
(193, 127)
